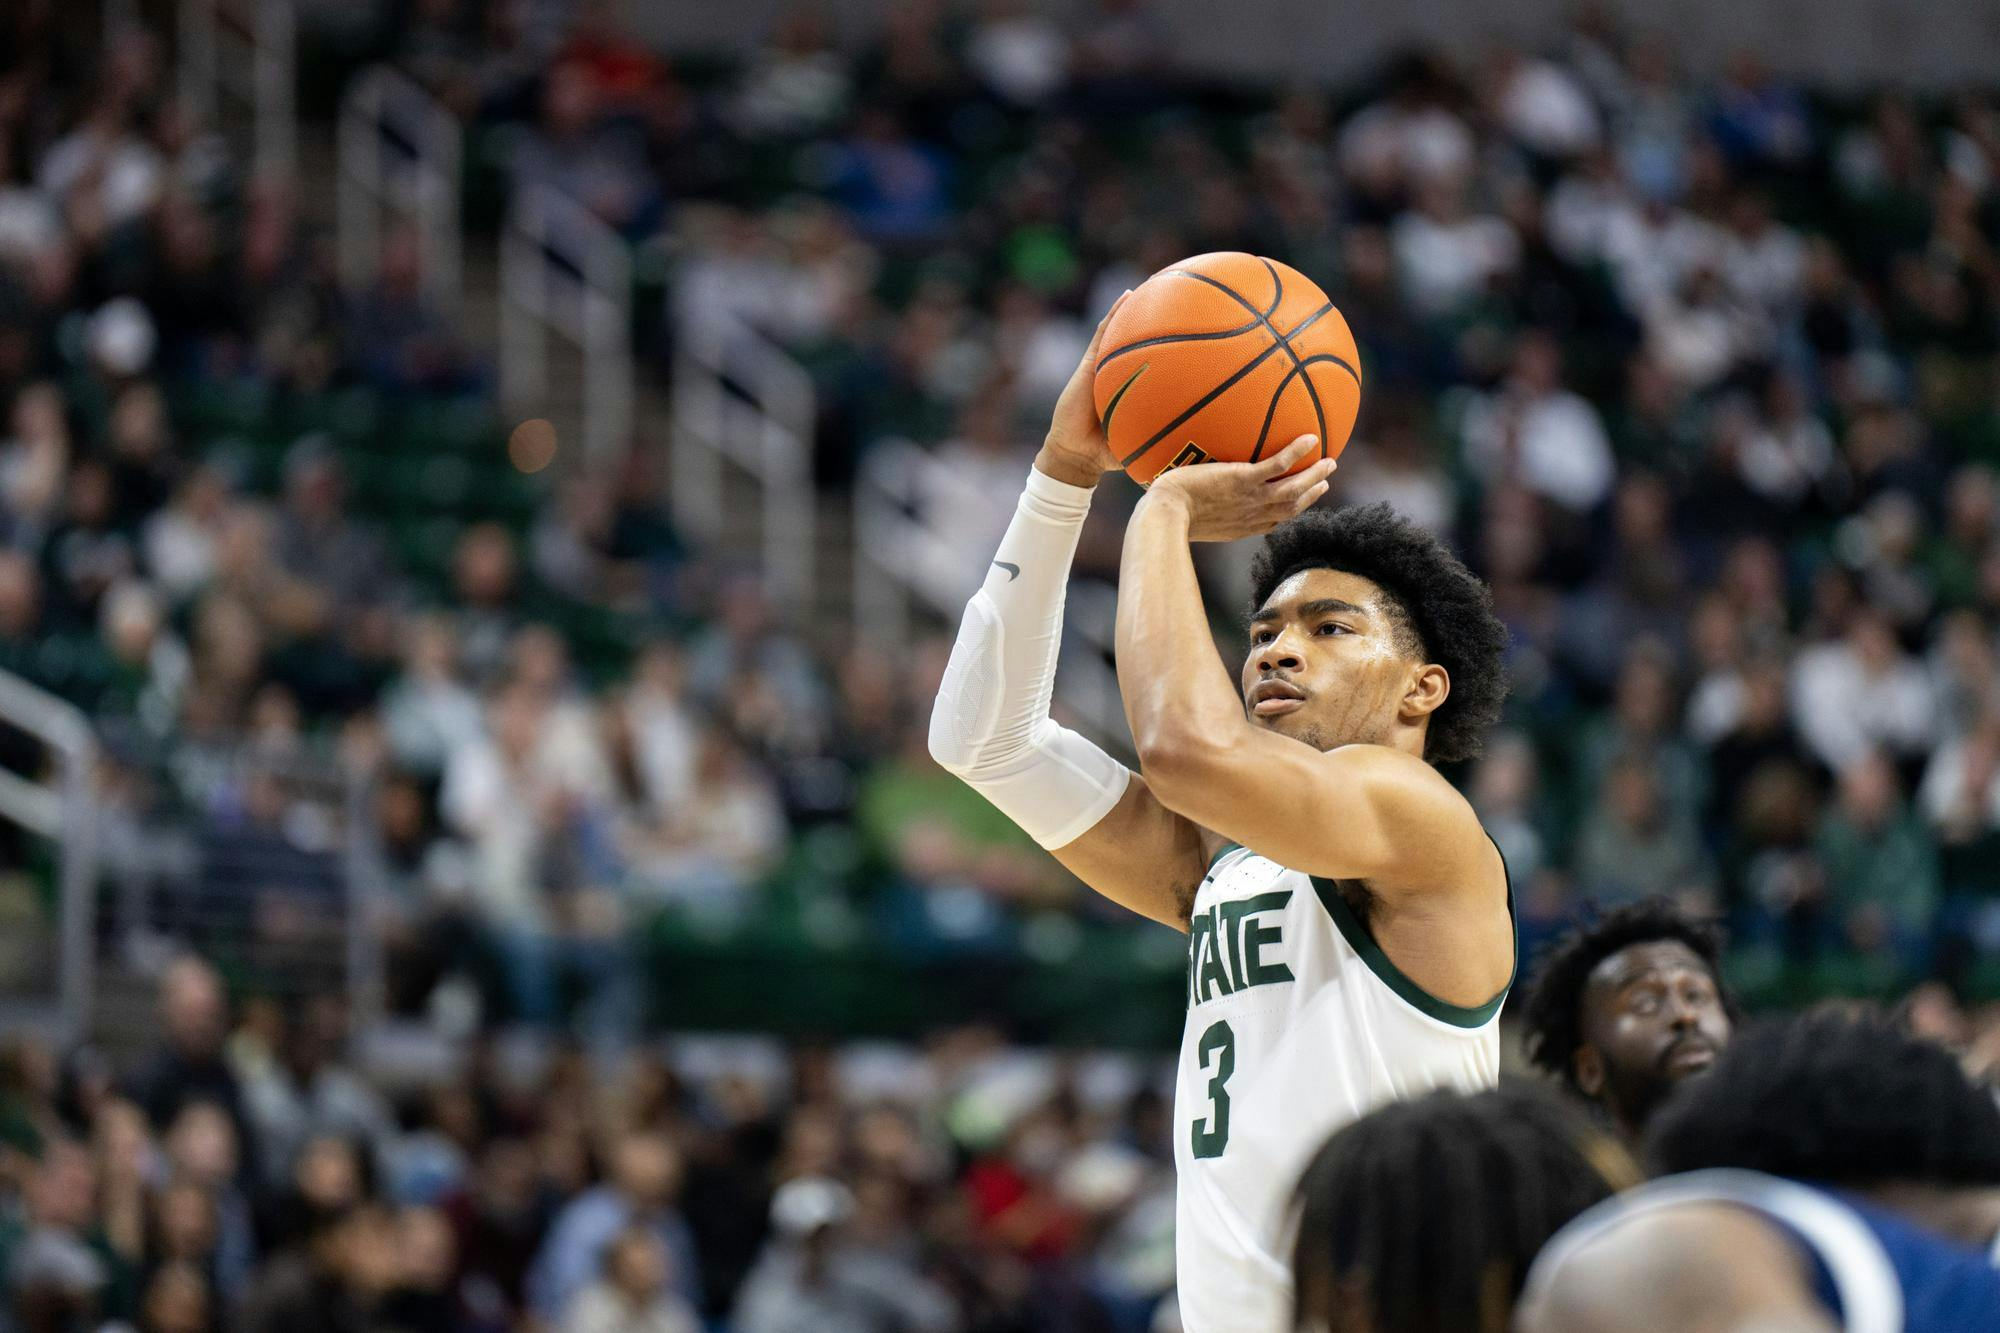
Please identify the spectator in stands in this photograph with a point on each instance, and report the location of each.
(484, 593)
(1881, 868)
(318, 540)
(1635, 846)
(1861, 691)
(307, 1092)
(201, 1151)
(1644, 726)
(395, 335)
(813, 1277)
(1540, 434)
(428, 711)
(189, 1067)
(633, 1295)
(641, 1193)
(584, 155)
(756, 673)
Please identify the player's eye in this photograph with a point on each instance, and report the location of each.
(1645, 1001)
(1334, 627)
(1262, 636)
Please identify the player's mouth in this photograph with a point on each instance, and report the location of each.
(1274, 698)
(1688, 1056)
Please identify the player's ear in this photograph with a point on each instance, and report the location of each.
(1588, 1066)
(1430, 685)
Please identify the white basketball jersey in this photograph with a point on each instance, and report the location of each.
(1297, 1024)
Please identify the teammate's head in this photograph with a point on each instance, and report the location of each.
(1426, 1214)
(1627, 1006)
(1835, 1097)
(1370, 630)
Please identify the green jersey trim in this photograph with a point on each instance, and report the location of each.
(1355, 931)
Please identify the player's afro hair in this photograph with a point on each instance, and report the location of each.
(1552, 1010)
(1423, 1216)
(1445, 611)
(1836, 1097)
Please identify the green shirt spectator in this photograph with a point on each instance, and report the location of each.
(1881, 864)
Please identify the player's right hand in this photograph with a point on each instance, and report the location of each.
(1075, 450)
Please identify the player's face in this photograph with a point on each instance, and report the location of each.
(1324, 666)
(1652, 1016)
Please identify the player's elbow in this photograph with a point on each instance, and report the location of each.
(946, 746)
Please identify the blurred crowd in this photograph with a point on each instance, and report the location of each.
(1699, 368)
(246, 1176)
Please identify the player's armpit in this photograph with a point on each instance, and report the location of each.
(1700, 1268)
(1141, 856)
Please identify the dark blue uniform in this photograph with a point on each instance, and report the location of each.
(1874, 1270)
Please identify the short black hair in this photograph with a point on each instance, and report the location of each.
(1838, 1097)
(1442, 607)
(1424, 1216)
(1552, 1008)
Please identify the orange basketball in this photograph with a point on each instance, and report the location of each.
(1226, 357)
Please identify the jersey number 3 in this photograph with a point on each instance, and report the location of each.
(1211, 1133)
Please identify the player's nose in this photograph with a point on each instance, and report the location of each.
(1280, 654)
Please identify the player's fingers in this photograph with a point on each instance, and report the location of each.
(1287, 458)
(1310, 498)
(1290, 488)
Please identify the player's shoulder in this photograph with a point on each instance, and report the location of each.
(1434, 814)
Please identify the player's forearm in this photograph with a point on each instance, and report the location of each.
(991, 724)
(1179, 699)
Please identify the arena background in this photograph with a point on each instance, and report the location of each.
(485, 487)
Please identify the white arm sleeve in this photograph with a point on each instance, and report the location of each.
(991, 723)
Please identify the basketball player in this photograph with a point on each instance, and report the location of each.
(1423, 1216)
(1735, 1249)
(1626, 1007)
(1351, 929)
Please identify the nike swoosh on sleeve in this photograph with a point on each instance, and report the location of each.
(1013, 571)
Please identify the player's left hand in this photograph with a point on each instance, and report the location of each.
(1225, 501)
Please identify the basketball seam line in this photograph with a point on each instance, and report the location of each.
(1283, 338)
(1176, 338)
(1272, 410)
(1220, 389)
(1112, 406)
(1256, 318)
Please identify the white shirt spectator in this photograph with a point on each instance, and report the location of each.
(1765, 266)
(1544, 436)
(602, 1308)
(1021, 55)
(130, 172)
(1446, 259)
(1584, 209)
(1942, 796)
(1652, 252)
(1424, 143)
(1785, 459)
(1545, 107)
(1845, 706)
(29, 223)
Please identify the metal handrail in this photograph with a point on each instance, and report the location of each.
(564, 271)
(742, 400)
(63, 811)
(260, 68)
(422, 182)
(892, 537)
